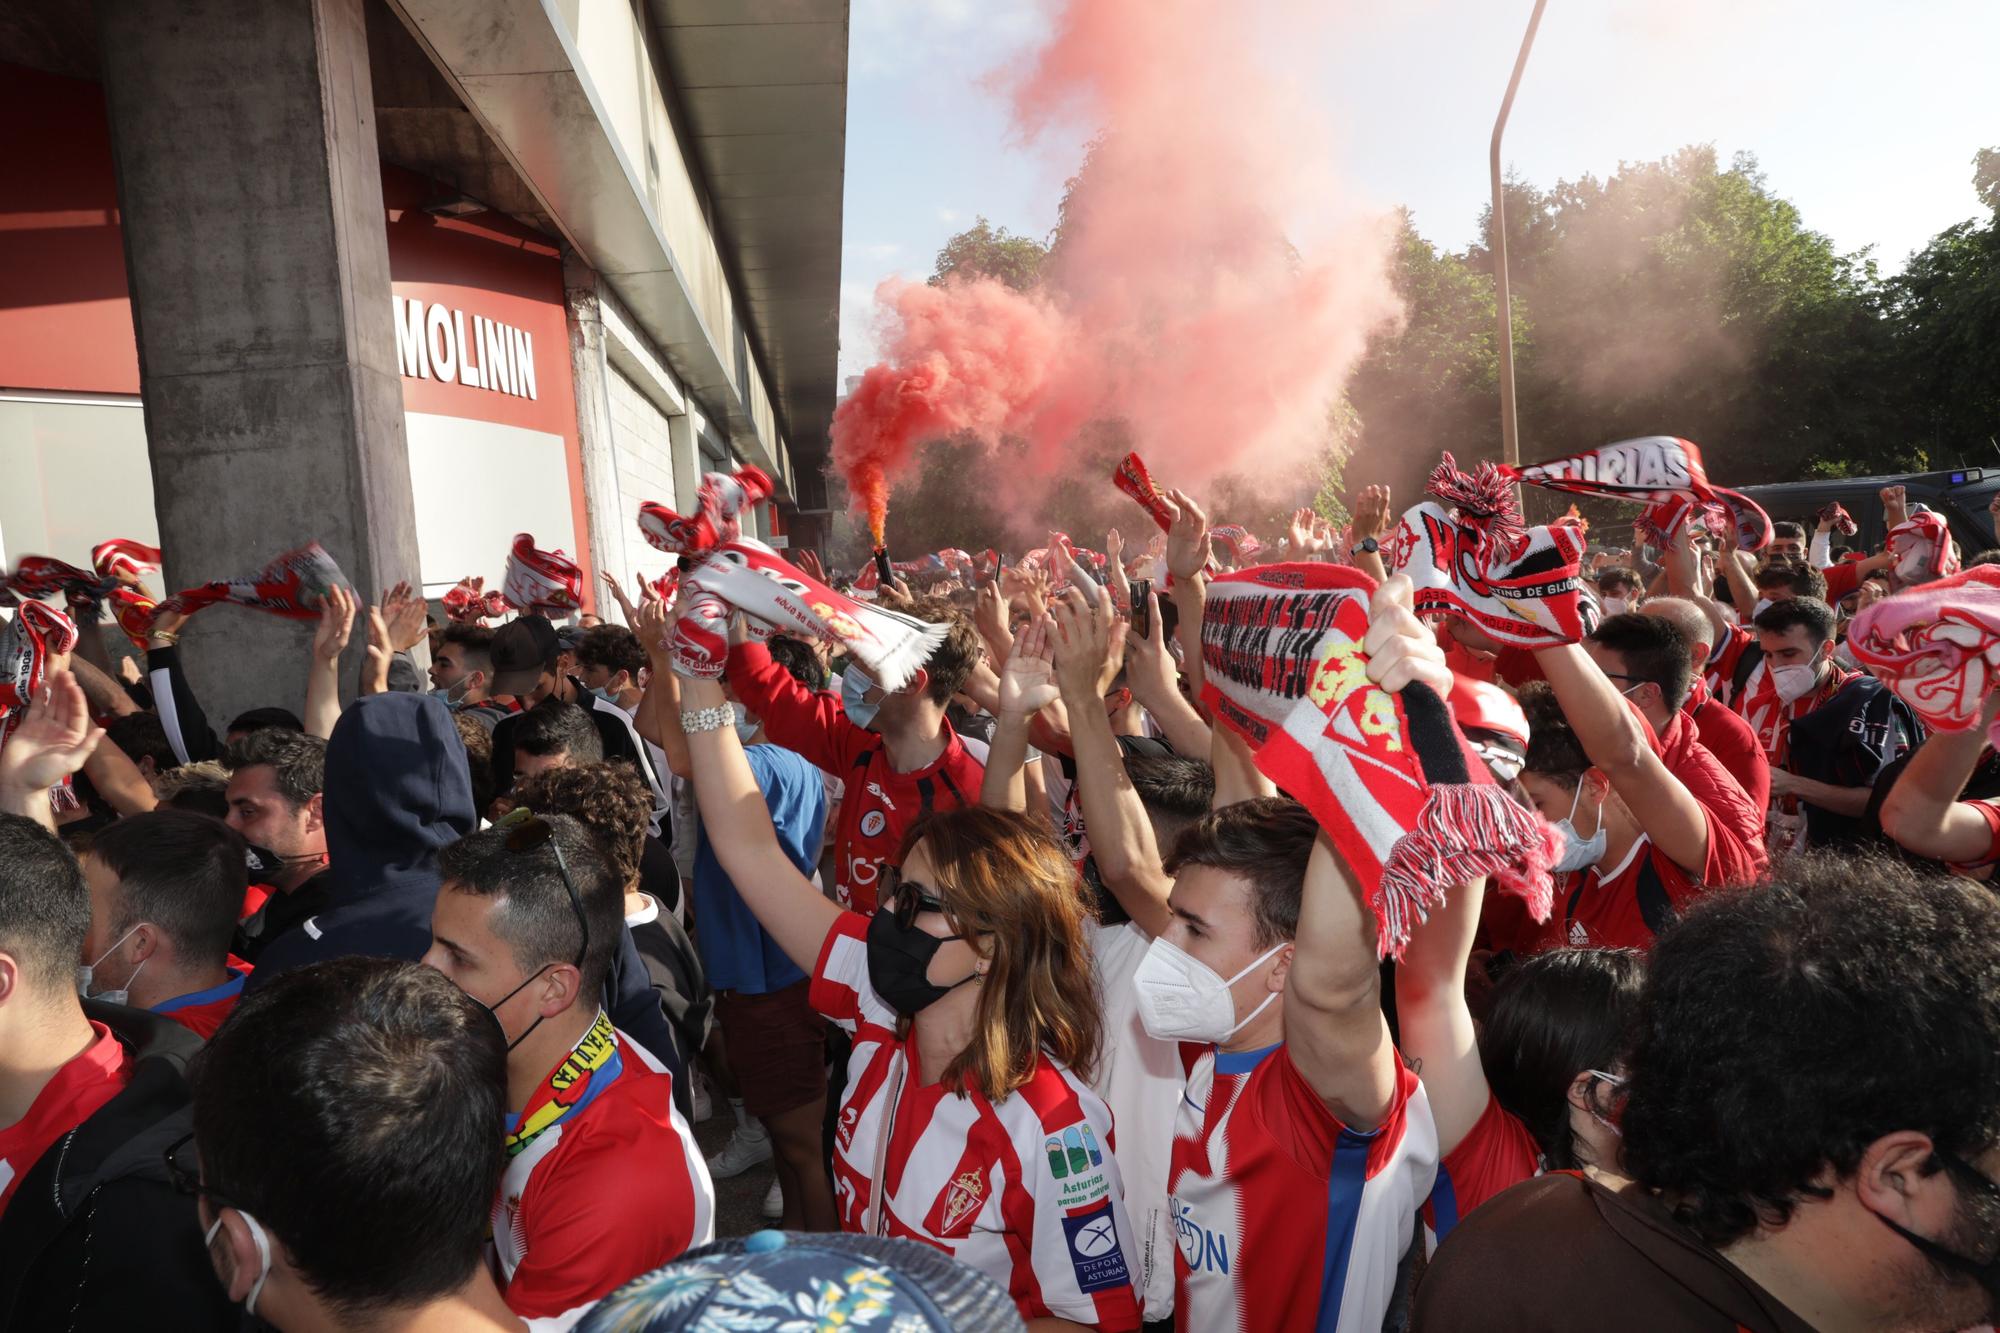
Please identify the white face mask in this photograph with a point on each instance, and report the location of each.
(88, 972)
(263, 1244)
(1794, 682)
(1579, 851)
(1763, 605)
(1616, 606)
(1182, 998)
(854, 684)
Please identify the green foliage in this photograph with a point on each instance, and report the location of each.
(985, 251)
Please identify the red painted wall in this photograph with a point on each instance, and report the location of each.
(66, 312)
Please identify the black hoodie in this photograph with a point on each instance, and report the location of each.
(95, 1236)
(398, 791)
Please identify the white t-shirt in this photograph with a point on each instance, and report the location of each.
(1139, 1078)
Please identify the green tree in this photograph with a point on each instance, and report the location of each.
(985, 251)
(1947, 309)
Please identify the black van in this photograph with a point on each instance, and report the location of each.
(1960, 494)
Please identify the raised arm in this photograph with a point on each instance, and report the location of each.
(1435, 1023)
(336, 624)
(187, 728)
(1188, 553)
(1923, 811)
(659, 716)
(1614, 740)
(1121, 834)
(737, 824)
(1150, 671)
(53, 740)
(1026, 687)
(810, 722)
(1334, 1029)
(1371, 519)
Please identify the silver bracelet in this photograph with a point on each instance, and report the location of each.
(696, 720)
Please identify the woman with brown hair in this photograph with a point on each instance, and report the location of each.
(967, 1122)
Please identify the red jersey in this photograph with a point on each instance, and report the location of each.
(880, 804)
(610, 1187)
(1720, 677)
(1624, 906)
(78, 1089)
(1497, 1153)
(1842, 577)
(1286, 1219)
(201, 1012)
(1722, 731)
(1722, 795)
(1026, 1189)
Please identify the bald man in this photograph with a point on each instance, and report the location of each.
(1724, 731)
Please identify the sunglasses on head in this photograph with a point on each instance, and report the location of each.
(528, 832)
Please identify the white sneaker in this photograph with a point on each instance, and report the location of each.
(743, 1151)
(704, 1107)
(774, 1204)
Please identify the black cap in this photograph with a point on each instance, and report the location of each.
(522, 650)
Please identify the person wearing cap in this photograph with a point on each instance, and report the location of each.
(527, 666)
(164, 889)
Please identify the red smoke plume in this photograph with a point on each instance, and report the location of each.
(1210, 289)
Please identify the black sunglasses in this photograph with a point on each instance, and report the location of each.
(906, 897)
(528, 832)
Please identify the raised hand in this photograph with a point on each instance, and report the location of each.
(653, 622)
(53, 740)
(895, 594)
(1895, 506)
(1027, 682)
(989, 617)
(404, 616)
(1149, 668)
(1371, 512)
(1400, 650)
(808, 561)
(1188, 547)
(1089, 648)
(336, 623)
(166, 627)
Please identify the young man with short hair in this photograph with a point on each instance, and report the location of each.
(1717, 726)
(315, 1227)
(551, 735)
(92, 1235)
(1828, 732)
(603, 1181)
(164, 891)
(610, 659)
(1646, 659)
(462, 673)
(897, 754)
(277, 801)
(1856, 1191)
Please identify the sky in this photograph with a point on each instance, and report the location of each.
(1864, 115)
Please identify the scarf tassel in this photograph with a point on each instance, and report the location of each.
(1466, 830)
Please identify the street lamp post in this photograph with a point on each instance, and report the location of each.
(1510, 431)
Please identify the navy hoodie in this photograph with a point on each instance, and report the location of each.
(399, 790)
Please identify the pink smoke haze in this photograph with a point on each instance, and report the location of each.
(1212, 288)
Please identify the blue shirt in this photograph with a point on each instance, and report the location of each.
(737, 953)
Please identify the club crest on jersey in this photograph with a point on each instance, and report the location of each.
(873, 823)
(963, 1199)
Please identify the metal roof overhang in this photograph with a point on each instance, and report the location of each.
(714, 213)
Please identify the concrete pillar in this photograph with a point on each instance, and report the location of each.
(251, 195)
(687, 461)
(591, 368)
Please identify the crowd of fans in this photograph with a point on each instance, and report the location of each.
(403, 1014)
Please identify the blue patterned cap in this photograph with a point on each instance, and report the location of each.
(796, 1282)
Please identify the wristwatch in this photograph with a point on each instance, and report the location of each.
(1368, 545)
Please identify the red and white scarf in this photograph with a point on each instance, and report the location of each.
(1937, 646)
(1132, 478)
(539, 582)
(292, 586)
(1923, 541)
(39, 576)
(1387, 775)
(123, 559)
(1477, 563)
(1770, 716)
(722, 571)
(1239, 540)
(468, 602)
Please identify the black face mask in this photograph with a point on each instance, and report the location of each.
(899, 963)
(1986, 1273)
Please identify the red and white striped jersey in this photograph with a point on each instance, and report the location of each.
(1026, 1190)
(613, 1191)
(1286, 1220)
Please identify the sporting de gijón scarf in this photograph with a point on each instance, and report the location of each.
(1386, 775)
(1937, 646)
(593, 1065)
